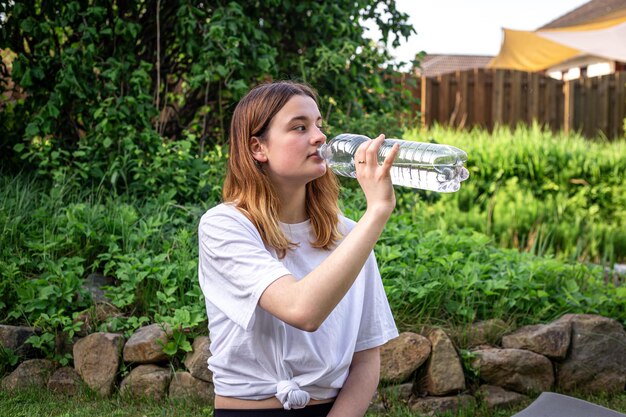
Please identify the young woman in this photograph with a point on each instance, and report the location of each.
(296, 307)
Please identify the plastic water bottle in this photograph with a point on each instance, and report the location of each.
(427, 166)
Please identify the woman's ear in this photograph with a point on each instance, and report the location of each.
(257, 149)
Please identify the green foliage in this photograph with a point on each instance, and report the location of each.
(437, 276)
(536, 191)
(177, 342)
(125, 325)
(438, 267)
(129, 95)
(54, 330)
(467, 357)
(150, 249)
(8, 360)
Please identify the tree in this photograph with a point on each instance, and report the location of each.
(110, 86)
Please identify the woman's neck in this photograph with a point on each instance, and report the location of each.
(293, 205)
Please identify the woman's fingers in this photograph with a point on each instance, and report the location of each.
(360, 157)
(391, 156)
(375, 179)
(367, 154)
(372, 150)
(372, 154)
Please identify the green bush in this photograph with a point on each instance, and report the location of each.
(437, 264)
(130, 95)
(538, 191)
(439, 274)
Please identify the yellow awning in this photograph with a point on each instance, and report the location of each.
(541, 49)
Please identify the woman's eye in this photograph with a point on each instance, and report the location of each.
(299, 128)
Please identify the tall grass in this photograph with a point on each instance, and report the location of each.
(534, 190)
(52, 238)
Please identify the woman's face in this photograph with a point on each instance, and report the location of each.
(289, 152)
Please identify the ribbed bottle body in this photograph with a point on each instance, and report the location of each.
(426, 166)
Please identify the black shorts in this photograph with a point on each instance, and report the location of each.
(317, 410)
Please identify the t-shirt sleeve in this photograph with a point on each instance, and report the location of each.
(234, 266)
(377, 325)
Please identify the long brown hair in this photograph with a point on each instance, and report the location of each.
(247, 186)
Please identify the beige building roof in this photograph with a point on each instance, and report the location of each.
(588, 11)
(437, 64)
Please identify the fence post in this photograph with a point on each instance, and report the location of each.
(443, 111)
(516, 97)
(620, 101)
(533, 98)
(604, 96)
(426, 98)
(480, 86)
(498, 98)
(568, 106)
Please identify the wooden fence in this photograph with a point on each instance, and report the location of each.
(486, 98)
(594, 105)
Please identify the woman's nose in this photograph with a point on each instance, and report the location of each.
(319, 136)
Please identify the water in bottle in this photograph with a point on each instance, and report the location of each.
(427, 166)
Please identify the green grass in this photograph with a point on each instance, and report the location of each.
(30, 403)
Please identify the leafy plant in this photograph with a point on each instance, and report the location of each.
(437, 261)
(8, 359)
(55, 330)
(130, 96)
(537, 191)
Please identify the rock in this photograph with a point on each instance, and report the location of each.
(97, 359)
(143, 346)
(65, 381)
(444, 372)
(596, 362)
(394, 393)
(14, 338)
(518, 370)
(551, 340)
(430, 406)
(400, 357)
(29, 374)
(94, 316)
(495, 397)
(196, 360)
(94, 284)
(147, 381)
(184, 385)
(480, 333)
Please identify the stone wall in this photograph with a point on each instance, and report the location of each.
(576, 353)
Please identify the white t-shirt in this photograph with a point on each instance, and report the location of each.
(254, 354)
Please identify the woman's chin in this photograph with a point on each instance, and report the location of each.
(323, 169)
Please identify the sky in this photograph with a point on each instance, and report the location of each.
(472, 26)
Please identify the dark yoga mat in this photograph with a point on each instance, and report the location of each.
(550, 404)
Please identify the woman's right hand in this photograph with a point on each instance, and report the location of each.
(375, 179)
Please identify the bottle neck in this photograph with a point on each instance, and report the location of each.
(323, 151)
